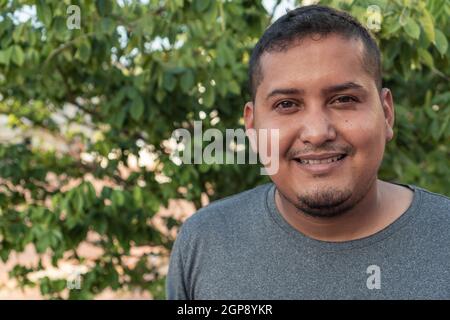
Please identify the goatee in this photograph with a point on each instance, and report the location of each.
(325, 203)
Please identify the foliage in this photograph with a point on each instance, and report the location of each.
(135, 72)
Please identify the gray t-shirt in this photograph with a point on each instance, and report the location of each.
(241, 247)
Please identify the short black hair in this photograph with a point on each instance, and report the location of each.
(308, 21)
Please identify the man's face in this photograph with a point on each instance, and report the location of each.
(333, 123)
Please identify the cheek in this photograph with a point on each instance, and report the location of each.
(285, 137)
(366, 134)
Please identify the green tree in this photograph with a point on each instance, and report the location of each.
(136, 71)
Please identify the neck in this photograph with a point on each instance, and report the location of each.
(364, 219)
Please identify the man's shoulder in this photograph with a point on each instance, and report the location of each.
(231, 209)
(435, 200)
(433, 207)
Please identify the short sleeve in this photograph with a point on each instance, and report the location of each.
(176, 288)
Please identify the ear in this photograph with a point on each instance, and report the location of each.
(388, 108)
(249, 121)
(249, 115)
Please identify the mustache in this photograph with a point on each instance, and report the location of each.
(326, 147)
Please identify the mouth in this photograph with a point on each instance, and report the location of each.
(320, 163)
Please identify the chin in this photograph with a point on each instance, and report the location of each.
(325, 202)
(323, 198)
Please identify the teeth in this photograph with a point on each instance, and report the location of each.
(314, 161)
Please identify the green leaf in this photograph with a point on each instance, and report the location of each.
(209, 97)
(426, 57)
(179, 3)
(44, 286)
(444, 126)
(42, 243)
(203, 168)
(210, 16)
(91, 195)
(147, 26)
(119, 117)
(403, 19)
(441, 42)
(61, 32)
(37, 213)
(33, 56)
(18, 57)
(160, 95)
(107, 26)
(5, 56)
(59, 285)
(4, 254)
(84, 51)
(187, 81)
(137, 195)
(115, 102)
(104, 7)
(201, 5)
(55, 237)
(412, 28)
(137, 108)
(67, 55)
(234, 87)
(118, 198)
(427, 24)
(78, 201)
(44, 13)
(222, 56)
(18, 33)
(31, 38)
(101, 226)
(169, 81)
(435, 129)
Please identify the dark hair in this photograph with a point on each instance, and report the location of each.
(313, 20)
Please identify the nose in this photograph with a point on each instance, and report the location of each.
(317, 128)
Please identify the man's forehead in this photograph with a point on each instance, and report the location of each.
(332, 56)
(310, 44)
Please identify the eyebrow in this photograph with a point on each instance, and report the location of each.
(287, 91)
(325, 91)
(342, 87)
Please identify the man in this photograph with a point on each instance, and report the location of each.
(326, 228)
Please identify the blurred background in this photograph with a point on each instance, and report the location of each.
(91, 91)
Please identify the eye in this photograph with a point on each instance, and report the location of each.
(285, 105)
(344, 100)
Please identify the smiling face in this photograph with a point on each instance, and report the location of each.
(333, 122)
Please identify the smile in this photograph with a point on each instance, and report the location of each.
(318, 161)
(321, 163)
